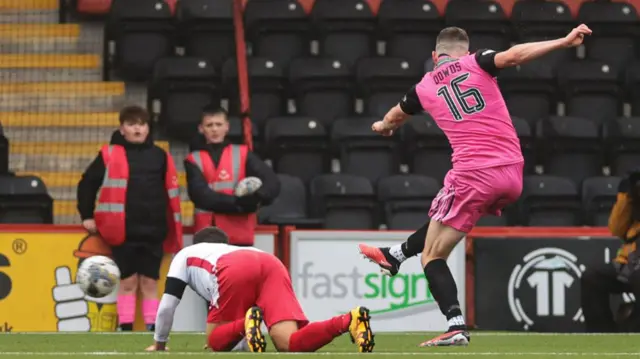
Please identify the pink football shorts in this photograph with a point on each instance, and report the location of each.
(468, 195)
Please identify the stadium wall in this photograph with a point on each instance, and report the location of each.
(38, 265)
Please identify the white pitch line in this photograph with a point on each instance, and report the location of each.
(47, 354)
(473, 334)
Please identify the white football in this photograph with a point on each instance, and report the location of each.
(98, 276)
(247, 186)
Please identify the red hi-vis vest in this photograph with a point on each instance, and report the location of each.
(239, 227)
(109, 213)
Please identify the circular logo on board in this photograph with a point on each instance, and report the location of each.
(544, 289)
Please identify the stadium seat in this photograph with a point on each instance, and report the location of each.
(93, 7)
(633, 87)
(236, 132)
(549, 201)
(183, 87)
(136, 35)
(206, 29)
(526, 136)
(363, 152)
(591, 90)
(344, 29)
(484, 21)
(571, 146)
(297, 146)
(623, 136)
(290, 208)
(344, 201)
(410, 28)
(383, 82)
(25, 200)
(277, 29)
(322, 88)
(427, 147)
(541, 18)
(615, 31)
(529, 90)
(266, 83)
(598, 197)
(406, 200)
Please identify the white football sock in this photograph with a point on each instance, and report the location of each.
(456, 321)
(396, 252)
(242, 346)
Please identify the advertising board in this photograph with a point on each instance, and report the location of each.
(38, 290)
(330, 277)
(534, 283)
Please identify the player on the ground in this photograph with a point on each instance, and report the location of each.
(245, 287)
(463, 97)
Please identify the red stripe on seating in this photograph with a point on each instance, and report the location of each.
(200, 263)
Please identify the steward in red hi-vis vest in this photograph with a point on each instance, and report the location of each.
(239, 227)
(109, 213)
(213, 168)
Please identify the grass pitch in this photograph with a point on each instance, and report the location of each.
(397, 345)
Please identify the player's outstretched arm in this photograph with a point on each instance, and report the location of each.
(522, 53)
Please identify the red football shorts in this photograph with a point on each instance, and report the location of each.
(247, 278)
(470, 194)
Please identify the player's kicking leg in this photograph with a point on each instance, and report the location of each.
(390, 258)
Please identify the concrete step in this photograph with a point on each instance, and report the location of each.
(64, 134)
(37, 162)
(61, 96)
(40, 38)
(70, 219)
(29, 11)
(49, 61)
(57, 120)
(50, 75)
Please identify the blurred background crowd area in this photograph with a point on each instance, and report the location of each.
(318, 74)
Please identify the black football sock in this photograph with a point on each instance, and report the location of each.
(444, 291)
(126, 327)
(413, 246)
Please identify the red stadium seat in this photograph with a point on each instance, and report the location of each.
(93, 7)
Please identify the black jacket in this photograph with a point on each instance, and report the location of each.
(146, 202)
(205, 198)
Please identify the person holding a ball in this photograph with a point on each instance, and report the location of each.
(226, 182)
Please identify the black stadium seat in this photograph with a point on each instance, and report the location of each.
(206, 29)
(550, 201)
(290, 208)
(615, 31)
(406, 200)
(344, 29)
(624, 145)
(136, 35)
(344, 201)
(298, 146)
(25, 200)
(266, 84)
(410, 28)
(598, 197)
(322, 88)
(484, 21)
(183, 87)
(591, 90)
(428, 150)
(383, 81)
(572, 147)
(277, 29)
(363, 152)
(541, 18)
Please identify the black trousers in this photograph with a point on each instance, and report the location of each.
(598, 283)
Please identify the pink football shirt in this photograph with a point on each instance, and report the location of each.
(466, 103)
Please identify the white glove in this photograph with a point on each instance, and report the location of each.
(71, 308)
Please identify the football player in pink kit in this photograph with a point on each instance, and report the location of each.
(245, 287)
(463, 97)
